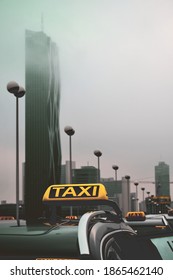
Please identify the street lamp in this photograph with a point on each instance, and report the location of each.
(70, 132)
(18, 92)
(98, 154)
(127, 177)
(143, 189)
(136, 184)
(115, 167)
(148, 193)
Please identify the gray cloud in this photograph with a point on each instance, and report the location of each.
(116, 67)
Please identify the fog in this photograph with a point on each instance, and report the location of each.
(116, 64)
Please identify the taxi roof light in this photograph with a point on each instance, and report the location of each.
(79, 194)
(135, 216)
(7, 218)
(71, 217)
(75, 192)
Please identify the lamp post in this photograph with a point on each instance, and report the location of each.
(136, 184)
(70, 132)
(115, 167)
(127, 177)
(143, 189)
(18, 92)
(133, 203)
(148, 193)
(98, 154)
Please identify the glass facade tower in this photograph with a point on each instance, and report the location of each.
(162, 181)
(42, 137)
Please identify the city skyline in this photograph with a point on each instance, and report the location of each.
(147, 183)
(116, 85)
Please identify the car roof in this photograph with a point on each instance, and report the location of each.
(10, 228)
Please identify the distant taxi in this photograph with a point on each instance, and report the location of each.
(157, 228)
(6, 218)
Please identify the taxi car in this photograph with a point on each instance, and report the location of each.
(158, 228)
(100, 234)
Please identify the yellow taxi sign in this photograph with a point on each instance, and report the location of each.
(7, 218)
(75, 192)
(135, 216)
(71, 217)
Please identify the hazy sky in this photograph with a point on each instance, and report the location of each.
(116, 65)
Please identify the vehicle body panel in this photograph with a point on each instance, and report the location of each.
(100, 234)
(164, 246)
(37, 242)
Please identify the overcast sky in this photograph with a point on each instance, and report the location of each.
(116, 65)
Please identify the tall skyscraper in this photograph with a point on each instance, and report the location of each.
(162, 181)
(42, 137)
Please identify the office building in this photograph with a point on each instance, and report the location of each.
(65, 172)
(162, 181)
(114, 188)
(85, 175)
(42, 137)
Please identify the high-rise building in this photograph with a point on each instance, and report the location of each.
(162, 181)
(42, 137)
(65, 172)
(85, 175)
(114, 188)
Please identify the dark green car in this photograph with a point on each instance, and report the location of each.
(100, 234)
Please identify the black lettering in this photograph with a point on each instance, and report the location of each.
(74, 191)
(67, 271)
(12, 272)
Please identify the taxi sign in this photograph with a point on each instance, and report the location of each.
(135, 216)
(7, 218)
(71, 217)
(75, 192)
